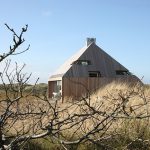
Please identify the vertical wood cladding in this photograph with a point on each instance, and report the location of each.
(88, 70)
(78, 87)
(99, 61)
(51, 88)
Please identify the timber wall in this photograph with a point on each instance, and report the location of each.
(78, 87)
(51, 85)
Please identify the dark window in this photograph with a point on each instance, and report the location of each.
(57, 86)
(82, 62)
(94, 74)
(122, 72)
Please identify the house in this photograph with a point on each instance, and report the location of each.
(87, 70)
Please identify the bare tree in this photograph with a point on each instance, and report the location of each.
(17, 41)
(25, 115)
(96, 121)
(13, 84)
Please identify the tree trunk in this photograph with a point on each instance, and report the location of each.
(1, 139)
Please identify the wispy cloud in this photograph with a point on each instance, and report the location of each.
(46, 13)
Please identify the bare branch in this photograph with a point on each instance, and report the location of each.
(17, 40)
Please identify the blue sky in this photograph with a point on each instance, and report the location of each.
(59, 28)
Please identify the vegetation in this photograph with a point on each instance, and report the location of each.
(114, 117)
(125, 133)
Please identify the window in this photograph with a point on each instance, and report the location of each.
(94, 74)
(122, 72)
(82, 62)
(57, 86)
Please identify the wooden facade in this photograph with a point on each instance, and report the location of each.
(89, 69)
(77, 87)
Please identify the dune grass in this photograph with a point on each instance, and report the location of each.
(130, 134)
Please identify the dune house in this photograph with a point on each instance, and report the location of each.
(89, 69)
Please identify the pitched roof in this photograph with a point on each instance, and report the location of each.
(67, 65)
(97, 55)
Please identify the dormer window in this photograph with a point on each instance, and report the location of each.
(85, 63)
(94, 74)
(122, 72)
(82, 62)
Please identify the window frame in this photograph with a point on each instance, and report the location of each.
(82, 62)
(122, 72)
(94, 74)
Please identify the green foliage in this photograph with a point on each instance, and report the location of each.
(42, 144)
(38, 89)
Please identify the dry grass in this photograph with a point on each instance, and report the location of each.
(111, 92)
(128, 129)
(109, 96)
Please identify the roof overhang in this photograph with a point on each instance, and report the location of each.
(55, 78)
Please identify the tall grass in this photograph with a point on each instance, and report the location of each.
(128, 134)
